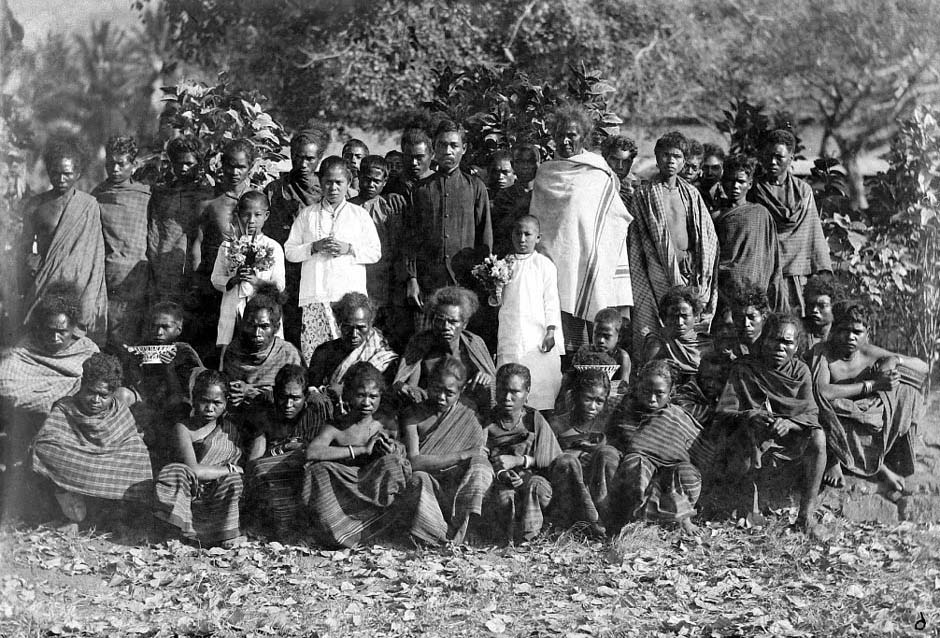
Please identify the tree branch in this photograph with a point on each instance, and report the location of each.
(507, 48)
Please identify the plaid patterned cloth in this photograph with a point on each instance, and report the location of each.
(124, 224)
(803, 247)
(259, 368)
(207, 510)
(643, 486)
(101, 456)
(352, 504)
(275, 480)
(517, 513)
(31, 380)
(655, 264)
(443, 500)
(749, 250)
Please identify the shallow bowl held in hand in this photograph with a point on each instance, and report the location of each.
(610, 370)
(151, 354)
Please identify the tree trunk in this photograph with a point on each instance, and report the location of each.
(856, 181)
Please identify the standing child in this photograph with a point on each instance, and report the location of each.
(334, 240)
(243, 261)
(200, 493)
(530, 316)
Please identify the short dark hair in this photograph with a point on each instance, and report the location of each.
(360, 373)
(824, 284)
(102, 367)
(353, 301)
(209, 378)
(290, 373)
(455, 296)
(608, 315)
(334, 161)
(678, 294)
(590, 378)
(673, 139)
(573, 114)
(121, 145)
(250, 196)
(509, 370)
(179, 146)
(851, 311)
(414, 136)
(449, 366)
(392, 153)
(312, 134)
(266, 297)
(526, 147)
(528, 218)
(373, 161)
(64, 147)
(354, 143)
(695, 148)
(618, 143)
(241, 145)
(749, 293)
(780, 136)
(61, 298)
(713, 150)
(658, 368)
(450, 126)
(502, 155)
(776, 320)
(739, 163)
(168, 308)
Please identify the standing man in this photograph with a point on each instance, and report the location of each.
(803, 247)
(416, 162)
(62, 240)
(123, 202)
(296, 189)
(448, 217)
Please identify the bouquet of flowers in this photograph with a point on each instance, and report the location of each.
(494, 274)
(247, 252)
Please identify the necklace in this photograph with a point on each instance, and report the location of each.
(334, 216)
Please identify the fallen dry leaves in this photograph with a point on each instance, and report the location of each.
(865, 581)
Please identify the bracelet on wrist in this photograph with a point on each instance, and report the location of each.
(352, 453)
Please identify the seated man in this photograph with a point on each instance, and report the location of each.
(768, 406)
(89, 447)
(699, 395)
(749, 310)
(820, 293)
(870, 400)
(678, 342)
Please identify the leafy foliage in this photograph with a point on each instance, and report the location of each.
(747, 124)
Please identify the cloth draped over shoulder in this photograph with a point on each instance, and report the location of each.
(31, 380)
(584, 228)
(803, 247)
(443, 500)
(865, 433)
(655, 263)
(124, 224)
(100, 455)
(749, 251)
(374, 349)
(75, 255)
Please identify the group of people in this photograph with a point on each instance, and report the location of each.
(313, 358)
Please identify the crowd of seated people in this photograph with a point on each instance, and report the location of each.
(332, 375)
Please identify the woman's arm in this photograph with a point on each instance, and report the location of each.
(258, 447)
(184, 442)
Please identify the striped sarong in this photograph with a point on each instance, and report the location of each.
(205, 510)
(443, 500)
(352, 504)
(101, 456)
(518, 513)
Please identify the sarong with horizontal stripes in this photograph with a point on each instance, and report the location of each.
(100, 455)
(207, 510)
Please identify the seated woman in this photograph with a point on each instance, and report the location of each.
(359, 341)
(44, 366)
(253, 360)
(89, 447)
(160, 391)
(870, 400)
(449, 310)
(663, 447)
(200, 493)
(679, 343)
(521, 447)
(581, 475)
(356, 469)
(277, 453)
(451, 473)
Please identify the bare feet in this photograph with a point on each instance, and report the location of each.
(686, 526)
(232, 543)
(833, 476)
(892, 481)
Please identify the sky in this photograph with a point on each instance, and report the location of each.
(38, 17)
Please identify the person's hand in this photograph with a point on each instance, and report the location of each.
(413, 393)
(167, 357)
(480, 380)
(321, 245)
(760, 419)
(508, 461)
(236, 392)
(509, 477)
(413, 292)
(548, 343)
(338, 247)
(321, 404)
(235, 469)
(292, 445)
(377, 444)
(887, 380)
(782, 427)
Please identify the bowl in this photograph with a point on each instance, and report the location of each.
(151, 354)
(611, 370)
